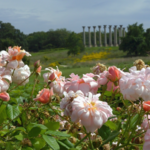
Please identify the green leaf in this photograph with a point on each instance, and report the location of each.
(108, 93)
(133, 121)
(20, 100)
(68, 143)
(51, 142)
(27, 148)
(43, 127)
(3, 113)
(20, 128)
(104, 132)
(12, 111)
(19, 137)
(57, 133)
(19, 121)
(9, 146)
(24, 117)
(52, 125)
(35, 131)
(38, 143)
(111, 137)
(111, 125)
(63, 146)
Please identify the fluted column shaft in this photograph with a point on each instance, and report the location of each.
(105, 36)
(110, 36)
(89, 37)
(115, 36)
(123, 32)
(120, 34)
(84, 42)
(94, 36)
(100, 42)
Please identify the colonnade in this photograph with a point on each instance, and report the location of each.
(115, 43)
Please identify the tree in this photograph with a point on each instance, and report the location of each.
(134, 42)
(147, 38)
(74, 44)
(9, 36)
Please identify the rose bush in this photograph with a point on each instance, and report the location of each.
(106, 109)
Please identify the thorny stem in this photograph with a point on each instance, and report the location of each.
(34, 87)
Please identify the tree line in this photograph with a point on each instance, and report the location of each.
(136, 41)
(38, 41)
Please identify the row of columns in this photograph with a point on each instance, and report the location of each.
(105, 36)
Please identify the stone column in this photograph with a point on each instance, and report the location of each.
(84, 42)
(115, 36)
(120, 34)
(100, 42)
(123, 32)
(110, 36)
(94, 36)
(105, 36)
(89, 37)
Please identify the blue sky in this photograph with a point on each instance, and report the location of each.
(42, 15)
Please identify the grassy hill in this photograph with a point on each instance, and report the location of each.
(82, 62)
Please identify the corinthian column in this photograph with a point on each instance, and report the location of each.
(89, 37)
(123, 32)
(120, 34)
(105, 36)
(100, 43)
(110, 36)
(94, 36)
(115, 36)
(84, 43)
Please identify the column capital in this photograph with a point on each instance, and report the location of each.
(94, 27)
(83, 27)
(99, 26)
(115, 26)
(121, 26)
(105, 26)
(89, 27)
(109, 26)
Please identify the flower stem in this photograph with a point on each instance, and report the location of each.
(34, 87)
(91, 142)
(82, 140)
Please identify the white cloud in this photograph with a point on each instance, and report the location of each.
(42, 15)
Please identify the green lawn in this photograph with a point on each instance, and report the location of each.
(115, 57)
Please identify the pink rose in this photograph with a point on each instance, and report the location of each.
(113, 74)
(38, 70)
(90, 111)
(44, 95)
(5, 76)
(85, 84)
(37, 64)
(66, 102)
(53, 74)
(145, 123)
(146, 145)
(4, 96)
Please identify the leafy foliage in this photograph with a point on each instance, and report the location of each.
(136, 40)
(74, 44)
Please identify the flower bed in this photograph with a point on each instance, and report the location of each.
(104, 109)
